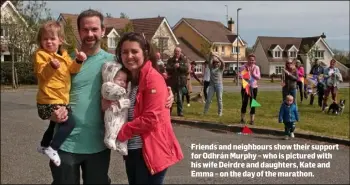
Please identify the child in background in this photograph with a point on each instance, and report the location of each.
(288, 115)
(320, 90)
(53, 68)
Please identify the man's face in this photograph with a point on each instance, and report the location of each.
(91, 32)
(158, 56)
(177, 52)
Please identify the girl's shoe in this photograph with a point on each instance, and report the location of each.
(53, 155)
(292, 135)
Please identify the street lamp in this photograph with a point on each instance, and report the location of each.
(238, 50)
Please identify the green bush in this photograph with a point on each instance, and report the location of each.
(24, 72)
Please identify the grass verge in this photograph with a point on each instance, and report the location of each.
(312, 120)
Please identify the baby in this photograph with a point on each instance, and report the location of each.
(114, 89)
(288, 115)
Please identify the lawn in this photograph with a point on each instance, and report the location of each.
(311, 117)
(229, 81)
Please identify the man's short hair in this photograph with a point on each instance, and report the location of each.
(90, 13)
(251, 55)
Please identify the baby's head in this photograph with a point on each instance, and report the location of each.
(51, 36)
(289, 99)
(121, 78)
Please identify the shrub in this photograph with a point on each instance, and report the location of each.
(24, 72)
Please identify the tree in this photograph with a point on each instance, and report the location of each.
(341, 56)
(123, 15)
(206, 49)
(70, 36)
(248, 50)
(109, 15)
(311, 54)
(23, 29)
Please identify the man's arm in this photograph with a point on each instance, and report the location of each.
(183, 68)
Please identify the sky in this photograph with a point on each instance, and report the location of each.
(260, 18)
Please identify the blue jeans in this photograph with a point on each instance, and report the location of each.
(288, 128)
(218, 89)
(292, 92)
(137, 170)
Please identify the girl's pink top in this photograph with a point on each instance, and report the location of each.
(300, 73)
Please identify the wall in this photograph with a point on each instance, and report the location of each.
(261, 59)
(185, 31)
(164, 31)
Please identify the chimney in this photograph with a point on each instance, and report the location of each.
(323, 36)
(231, 25)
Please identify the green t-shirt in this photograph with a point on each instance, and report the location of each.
(85, 100)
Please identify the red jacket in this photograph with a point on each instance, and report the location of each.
(152, 122)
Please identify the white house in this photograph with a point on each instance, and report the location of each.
(9, 15)
(272, 52)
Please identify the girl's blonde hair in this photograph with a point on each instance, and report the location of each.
(51, 27)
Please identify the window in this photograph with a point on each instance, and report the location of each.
(111, 42)
(222, 49)
(163, 43)
(198, 68)
(293, 54)
(277, 54)
(4, 31)
(278, 69)
(319, 54)
(216, 49)
(235, 50)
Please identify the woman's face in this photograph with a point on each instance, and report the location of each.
(332, 63)
(132, 55)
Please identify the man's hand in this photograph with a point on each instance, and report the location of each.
(170, 99)
(81, 56)
(55, 63)
(177, 65)
(59, 115)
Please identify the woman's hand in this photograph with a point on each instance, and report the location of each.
(170, 99)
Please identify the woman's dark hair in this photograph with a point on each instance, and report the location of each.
(147, 49)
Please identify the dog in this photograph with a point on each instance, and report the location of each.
(337, 108)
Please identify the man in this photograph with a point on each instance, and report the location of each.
(177, 70)
(316, 69)
(84, 149)
(206, 79)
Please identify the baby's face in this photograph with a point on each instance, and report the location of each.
(289, 101)
(121, 79)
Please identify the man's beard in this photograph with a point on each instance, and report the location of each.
(88, 45)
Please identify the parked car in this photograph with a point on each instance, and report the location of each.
(229, 73)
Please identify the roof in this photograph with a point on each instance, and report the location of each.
(189, 51)
(148, 26)
(269, 43)
(213, 31)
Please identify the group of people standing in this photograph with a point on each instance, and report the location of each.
(294, 78)
(70, 97)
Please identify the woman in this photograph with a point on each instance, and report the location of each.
(254, 72)
(152, 145)
(300, 80)
(289, 80)
(332, 77)
(216, 66)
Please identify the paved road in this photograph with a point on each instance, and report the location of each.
(21, 131)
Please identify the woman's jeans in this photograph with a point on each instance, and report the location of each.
(137, 170)
(218, 90)
(286, 91)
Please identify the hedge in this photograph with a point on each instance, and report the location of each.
(24, 71)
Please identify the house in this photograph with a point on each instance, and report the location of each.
(157, 30)
(8, 13)
(196, 36)
(272, 52)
